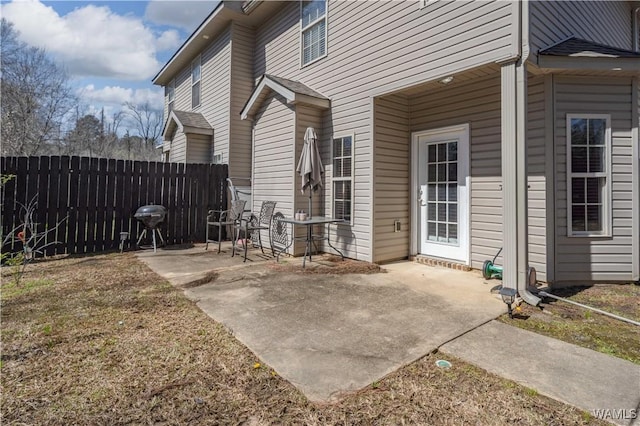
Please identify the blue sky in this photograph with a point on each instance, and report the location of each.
(111, 49)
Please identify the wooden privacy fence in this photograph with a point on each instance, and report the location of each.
(99, 196)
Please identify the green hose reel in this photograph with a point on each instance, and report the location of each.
(490, 270)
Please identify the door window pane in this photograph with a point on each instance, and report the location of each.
(453, 172)
(431, 192)
(431, 153)
(431, 173)
(453, 234)
(431, 211)
(453, 192)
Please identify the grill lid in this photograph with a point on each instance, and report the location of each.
(151, 215)
(151, 210)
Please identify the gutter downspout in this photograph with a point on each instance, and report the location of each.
(522, 210)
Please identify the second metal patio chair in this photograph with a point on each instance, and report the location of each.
(230, 217)
(253, 226)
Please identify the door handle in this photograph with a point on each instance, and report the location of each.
(421, 200)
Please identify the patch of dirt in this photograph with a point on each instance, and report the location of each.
(109, 342)
(584, 327)
(208, 278)
(327, 264)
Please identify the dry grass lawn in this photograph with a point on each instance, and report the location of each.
(586, 328)
(103, 340)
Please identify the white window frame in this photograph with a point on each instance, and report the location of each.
(311, 24)
(606, 174)
(197, 61)
(350, 178)
(171, 95)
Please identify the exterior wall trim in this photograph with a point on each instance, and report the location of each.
(372, 187)
(550, 173)
(635, 161)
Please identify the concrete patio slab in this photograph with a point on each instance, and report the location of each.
(182, 264)
(329, 334)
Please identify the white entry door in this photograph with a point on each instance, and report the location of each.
(441, 172)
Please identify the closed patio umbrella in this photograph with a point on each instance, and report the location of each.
(310, 164)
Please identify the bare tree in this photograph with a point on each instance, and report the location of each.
(36, 95)
(146, 121)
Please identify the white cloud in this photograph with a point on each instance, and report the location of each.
(116, 95)
(184, 14)
(168, 40)
(92, 40)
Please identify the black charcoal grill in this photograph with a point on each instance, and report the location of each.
(151, 216)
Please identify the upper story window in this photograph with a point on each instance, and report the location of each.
(588, 174)
(313, 30)
(171, 94)
(195, 82)
(343, 177)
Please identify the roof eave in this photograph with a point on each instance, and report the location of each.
(210, 27)
(292, 98)
(588, 63)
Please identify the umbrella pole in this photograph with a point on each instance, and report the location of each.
(310, 202)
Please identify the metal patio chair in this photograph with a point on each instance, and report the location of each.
(230, 217)
(253, 226)
(241, 193)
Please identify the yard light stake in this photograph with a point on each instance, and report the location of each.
(508, 297)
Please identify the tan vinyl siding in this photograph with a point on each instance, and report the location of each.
(598, 258)
(605, 22)
(178, 153)
(215, 93)
(274, 164)
(241, 86)
(382, 46)
(476, 103)
(391, 177)
(182, 100)
(536, 170)
(199, 149)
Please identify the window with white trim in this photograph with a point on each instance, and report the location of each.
(343, 178)
(588, 174)
(313, 30)
(171, 94)
(195, 82)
